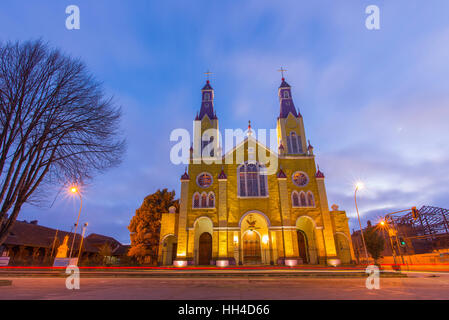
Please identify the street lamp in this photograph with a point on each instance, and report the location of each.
(359, 185)
(75, 190)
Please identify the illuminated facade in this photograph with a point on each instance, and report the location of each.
(237, 212)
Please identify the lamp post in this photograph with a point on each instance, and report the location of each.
(358, 186)
(82, 240)
(384, 223)
(75, 190)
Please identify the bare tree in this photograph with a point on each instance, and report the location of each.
(56, 125)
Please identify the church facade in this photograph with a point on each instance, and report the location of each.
(239, 209)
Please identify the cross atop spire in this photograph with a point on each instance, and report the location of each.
(282, 70)
(207, 73)
(250, 132)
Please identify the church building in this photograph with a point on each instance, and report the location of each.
(233, 211)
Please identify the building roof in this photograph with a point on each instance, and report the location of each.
(31, 234)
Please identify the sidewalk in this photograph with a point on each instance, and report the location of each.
(205, 272)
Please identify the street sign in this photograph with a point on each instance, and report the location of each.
(65, 262)
(4, 261)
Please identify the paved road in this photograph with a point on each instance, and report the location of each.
(416, 286)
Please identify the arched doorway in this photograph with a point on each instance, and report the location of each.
(169, 250)
(306, 240)
(343, 249)
(205, 249)
(252, 252)
(303, 246)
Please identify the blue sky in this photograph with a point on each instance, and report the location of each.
(375, 103)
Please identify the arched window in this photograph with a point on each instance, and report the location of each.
(211, 201)
(204, 200)
(302, 197)
(252, 180)
(286, 95)
(310, 199)
(196, 200)
(295, 199)
(294, 144)
(207, 96)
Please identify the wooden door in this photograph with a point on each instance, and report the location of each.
(302, 246)
(205, 249)
(251, 248)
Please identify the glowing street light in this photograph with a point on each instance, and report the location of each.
(359, 185)
(75, 190)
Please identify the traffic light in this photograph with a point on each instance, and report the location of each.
(415, 213)
(402, 242)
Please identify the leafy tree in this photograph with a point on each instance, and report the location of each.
(374, 241)
(105, 251)
(57, 127)
(146, 224)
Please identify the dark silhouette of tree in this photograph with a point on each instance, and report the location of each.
(105, 251)
(56, 126)
(375, 243)
(146, 224)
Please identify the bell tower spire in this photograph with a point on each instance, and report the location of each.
(206, 135)
(207, 101)
(285, 98)
(290, 125)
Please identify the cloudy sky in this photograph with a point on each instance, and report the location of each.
(375, 103)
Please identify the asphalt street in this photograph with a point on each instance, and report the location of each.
(415, 286)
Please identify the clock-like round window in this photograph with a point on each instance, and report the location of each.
(300, 179)
(204, 180)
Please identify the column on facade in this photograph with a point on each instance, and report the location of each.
(222, 218)
(285, 214)
(321, 247)
(181, 254)
(328, 232)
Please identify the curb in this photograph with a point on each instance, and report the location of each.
(199, 275)
(5, 283)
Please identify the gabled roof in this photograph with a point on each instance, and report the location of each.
(33, 235)
(245, 140)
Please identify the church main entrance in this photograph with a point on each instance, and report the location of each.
(205, 249)
(302, 246)
(251, 248)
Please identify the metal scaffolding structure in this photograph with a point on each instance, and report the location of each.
(430, 221)
(430, 228)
